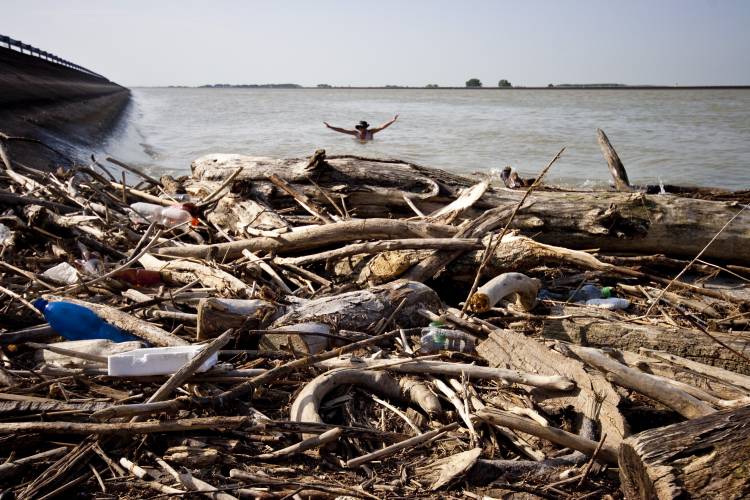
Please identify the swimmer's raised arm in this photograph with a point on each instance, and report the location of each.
(342, 130)
(385, 125)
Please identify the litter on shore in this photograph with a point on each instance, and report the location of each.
(346, 327)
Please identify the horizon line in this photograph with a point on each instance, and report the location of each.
(287, 86)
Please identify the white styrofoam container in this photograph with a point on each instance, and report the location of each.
(156, 361)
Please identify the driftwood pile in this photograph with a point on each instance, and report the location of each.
(313, 278)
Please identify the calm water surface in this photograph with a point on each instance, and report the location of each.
(689, 137)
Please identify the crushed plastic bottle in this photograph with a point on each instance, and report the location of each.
(611, 303)
(435, 338)
(139, 277)
(76, 322)
(61, 274)
(167, 216)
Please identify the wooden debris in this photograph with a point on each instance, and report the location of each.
(701, 458)
(297, 269)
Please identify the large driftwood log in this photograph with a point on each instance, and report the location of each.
(509, 349)
(618, 222)
(600, 328)
(701, 458)
(378, 181)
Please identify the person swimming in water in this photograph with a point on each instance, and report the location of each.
(362, 131)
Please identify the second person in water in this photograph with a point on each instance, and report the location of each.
(362, 131)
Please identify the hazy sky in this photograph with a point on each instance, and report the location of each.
(379, 42)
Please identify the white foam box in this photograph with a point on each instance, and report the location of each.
(155, 361)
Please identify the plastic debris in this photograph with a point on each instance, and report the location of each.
(139, 277)
(167, 216)
(76, 322)
(435, 338)
(611, 303)
(62, 274)
(6, 235)
(155, 361)
(96, 347)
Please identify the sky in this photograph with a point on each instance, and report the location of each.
(384, 42)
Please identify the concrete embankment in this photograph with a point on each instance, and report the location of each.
(67, 109)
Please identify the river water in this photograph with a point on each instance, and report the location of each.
(686, 137)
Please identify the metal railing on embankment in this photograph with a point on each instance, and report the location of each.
(25, 48)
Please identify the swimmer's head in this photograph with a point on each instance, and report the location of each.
(362, 125)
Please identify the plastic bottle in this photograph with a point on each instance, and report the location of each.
(611, 303)
(434, 339)
(167, 216)
(76, 322)
(139, 277)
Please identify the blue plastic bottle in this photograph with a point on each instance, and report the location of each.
(76, 322)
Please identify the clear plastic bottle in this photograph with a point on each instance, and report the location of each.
(435, 338)
(167, 216)
(76, 322)
(611, 303)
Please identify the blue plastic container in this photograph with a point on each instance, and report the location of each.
(76, 322)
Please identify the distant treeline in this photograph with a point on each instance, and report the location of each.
(253, 86)
(587, 85)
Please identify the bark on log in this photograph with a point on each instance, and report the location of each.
(700, 458)
(216, 315)
(607, 329)
(383, 179)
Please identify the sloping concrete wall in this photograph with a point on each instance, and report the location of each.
(68, 109)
